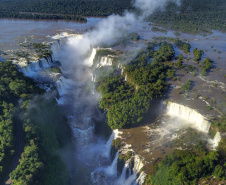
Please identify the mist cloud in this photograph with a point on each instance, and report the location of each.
(109, 30)
(147, 7)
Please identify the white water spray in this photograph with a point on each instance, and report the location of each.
(199, 122)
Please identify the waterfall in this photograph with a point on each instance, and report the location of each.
(129, 176)
(198, 121)
(126, 78)
(141, 178)
(120, 66)
(138, 164)
(63, 84)
(60, 86)
(107, 149)
(105, 61)
(92, 56)
(102, 61)
(94, 77)
(123, 176)
(112, 169)
(56, 48)
(32, 68)
(122, 71)
(103, 115)
(215, 141)
(133, 178)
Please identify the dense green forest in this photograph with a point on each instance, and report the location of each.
(10, 14)
(13, 85)
(66, 7)
(127, 100)
(44, 128)
(192, 165)
(187, 167)
(192, 16)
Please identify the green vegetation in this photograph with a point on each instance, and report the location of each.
(43, 125)
(182, 45)
(179, 43)
(100, 53)
(187, 167)
(55, 69)
(177, 33)
(126, 156)
(179, 63)
(27, 15)
(198, 54)
(190, 140)
(186, 87)
(162, 177)
(45, 132)
(171, 73)
(220, 124)
(104, 72)
(206, 65)
(134, 36)
(13, 85)
(193, 16)
(43, 50)
(69, 8)
(117, 143)
(7, 143)
(158, 29)
(22, 54)
(128, 101)
(191, 163)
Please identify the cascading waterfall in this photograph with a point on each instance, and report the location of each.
(198, 121)
(105, 61)
(120, 66)
(55, 48)
(102, 61)
(215, 141)
(112, 169)
(92, 56)
(32, 68)
(94, 77)
(195, 120)
(107, 149)
(123, 176)
(132, 178)
(63, 84)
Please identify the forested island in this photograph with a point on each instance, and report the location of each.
(128, 98)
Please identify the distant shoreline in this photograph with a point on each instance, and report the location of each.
(42, 16)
